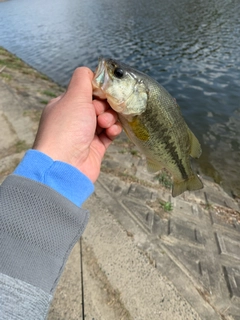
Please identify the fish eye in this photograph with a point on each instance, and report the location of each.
(118, 72)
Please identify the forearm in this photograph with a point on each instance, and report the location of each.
(40, 215)
(39, 227)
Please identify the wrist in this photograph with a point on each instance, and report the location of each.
(60, 176)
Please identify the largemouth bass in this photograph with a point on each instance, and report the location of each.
(152, 120)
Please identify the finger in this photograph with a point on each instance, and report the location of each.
(114, 131)
(104, 139)
(107, 119)
(100, 106)
(80, 86)
(108, 135)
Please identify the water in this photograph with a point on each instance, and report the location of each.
(191, 47)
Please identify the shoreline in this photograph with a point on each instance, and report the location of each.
(202, 165)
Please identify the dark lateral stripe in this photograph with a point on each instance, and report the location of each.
(170, 148)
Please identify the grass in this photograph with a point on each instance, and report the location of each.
(12, 63)
(134, 152)
(123, 151)
(42, 76)
(167, 206)
(6, 76)
(28, 71)
(3, 52)
(164, 179)
(208, 206)
(49, 93)
(21, 145)
(44, 102)
(34, 115)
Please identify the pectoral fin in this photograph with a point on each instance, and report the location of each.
(139, 129)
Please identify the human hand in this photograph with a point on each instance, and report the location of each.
(77, 129)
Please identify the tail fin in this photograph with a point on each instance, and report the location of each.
(193, 183)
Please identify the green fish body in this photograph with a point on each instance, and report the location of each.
(152, 120)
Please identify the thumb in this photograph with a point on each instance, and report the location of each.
(80, 86)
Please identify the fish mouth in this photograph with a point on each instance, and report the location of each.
(101, 79)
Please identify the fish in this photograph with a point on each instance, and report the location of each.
(152, 120)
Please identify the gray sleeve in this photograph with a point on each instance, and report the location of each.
(20, 300)
(38, 229)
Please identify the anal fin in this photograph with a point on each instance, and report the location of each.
(191, 184)
(153, 166)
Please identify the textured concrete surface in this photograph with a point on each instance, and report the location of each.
(196, 245)
(140, 259)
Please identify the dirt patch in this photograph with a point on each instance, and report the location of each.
(109, 297)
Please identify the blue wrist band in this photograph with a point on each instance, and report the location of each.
(62, 177)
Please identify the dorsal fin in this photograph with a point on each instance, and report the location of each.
(195, 147)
